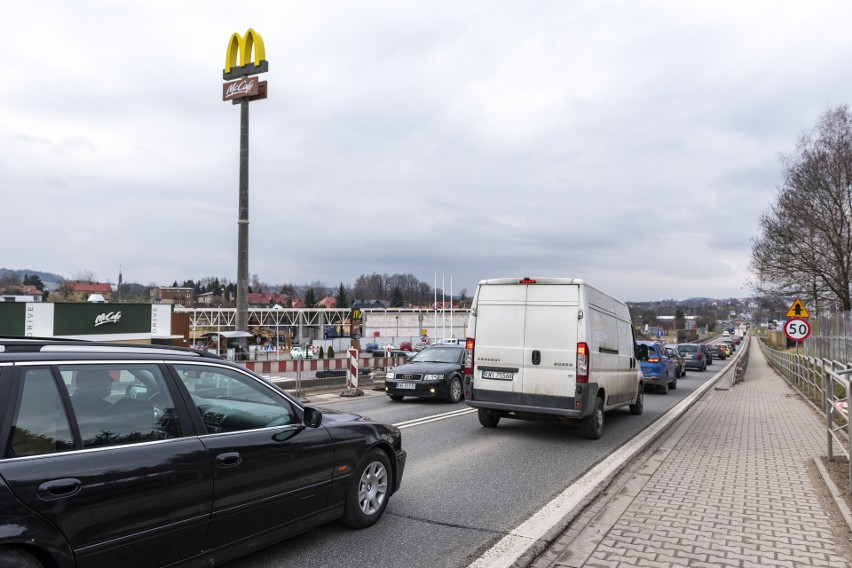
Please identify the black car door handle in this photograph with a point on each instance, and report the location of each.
(58, 489)
(229, 459)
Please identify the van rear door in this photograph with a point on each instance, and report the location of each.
(500, 315)
(526, 343)
(550, 344)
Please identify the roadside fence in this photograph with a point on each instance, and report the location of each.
(831, 337)
(825, 384)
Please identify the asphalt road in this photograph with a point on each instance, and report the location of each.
(465, 486)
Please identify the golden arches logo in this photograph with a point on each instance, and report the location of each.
(243, 46)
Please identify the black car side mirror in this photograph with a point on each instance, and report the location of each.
(313, 417)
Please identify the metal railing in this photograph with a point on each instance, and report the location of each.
(737, 371)
(825, 384)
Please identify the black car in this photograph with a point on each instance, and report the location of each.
(140, 456)
(717, 351)
(680, 365)
(708, 355)
(435, 372)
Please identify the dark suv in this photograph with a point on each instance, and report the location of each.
(138, 456)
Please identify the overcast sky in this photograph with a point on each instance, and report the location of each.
(631, 144)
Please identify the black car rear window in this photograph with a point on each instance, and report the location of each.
(688, 348)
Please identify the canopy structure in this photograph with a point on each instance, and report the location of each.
(228, 334)
(235, 334)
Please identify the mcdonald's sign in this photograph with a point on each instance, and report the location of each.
(242, 47)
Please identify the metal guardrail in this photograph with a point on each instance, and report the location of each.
(737, 371)
(825, 384)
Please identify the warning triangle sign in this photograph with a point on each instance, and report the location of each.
(797, 310)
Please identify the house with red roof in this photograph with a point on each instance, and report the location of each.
(75, 291)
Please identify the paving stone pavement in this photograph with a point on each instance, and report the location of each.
(729, 487)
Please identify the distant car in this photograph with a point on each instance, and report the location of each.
(301, 353)
(726, 348)
(435, 372)
(372, 346)
(680, 365)
(730, 344)
(693, 355)
(717, 352)
(657, 367)
(393, 353)
(405, 346)
(151, 455)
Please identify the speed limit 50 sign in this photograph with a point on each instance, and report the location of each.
(797, 329)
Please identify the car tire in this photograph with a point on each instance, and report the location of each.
(705, 367)
(488, 419)
(637, 407)
(369, 491)
(674, 384)
(396, 397)
(665, 386)
(594, 424)
(683, 373)
(11, 557)
(456, 392)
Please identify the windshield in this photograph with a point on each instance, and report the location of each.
(687, 348)
(437, 355)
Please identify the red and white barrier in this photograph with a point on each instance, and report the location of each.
(283, 366)
(352, 369)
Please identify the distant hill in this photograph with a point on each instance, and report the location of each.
(20, 274)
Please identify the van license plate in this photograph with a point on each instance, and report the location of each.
(503, 375)
(405, 386)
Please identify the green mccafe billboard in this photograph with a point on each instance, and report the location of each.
(39, 319)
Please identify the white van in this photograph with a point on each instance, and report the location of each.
(550, 349)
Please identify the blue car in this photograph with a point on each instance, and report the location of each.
(658, 368)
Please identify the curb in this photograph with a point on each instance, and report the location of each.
(838, 499)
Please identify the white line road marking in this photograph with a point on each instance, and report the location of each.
(434, 418)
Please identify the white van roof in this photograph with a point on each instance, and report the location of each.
(531, 280)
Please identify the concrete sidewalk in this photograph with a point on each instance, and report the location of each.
(732, 485)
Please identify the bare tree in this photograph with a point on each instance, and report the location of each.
(370, 287)
(256, 285)
(805, 245)
(84, 276)
(9, 280)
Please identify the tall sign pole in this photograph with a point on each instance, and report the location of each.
(242, 90)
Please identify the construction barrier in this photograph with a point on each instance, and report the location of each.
(352, 370)
(319, 366)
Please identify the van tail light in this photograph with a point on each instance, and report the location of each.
(468, 356)
(582, 363)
